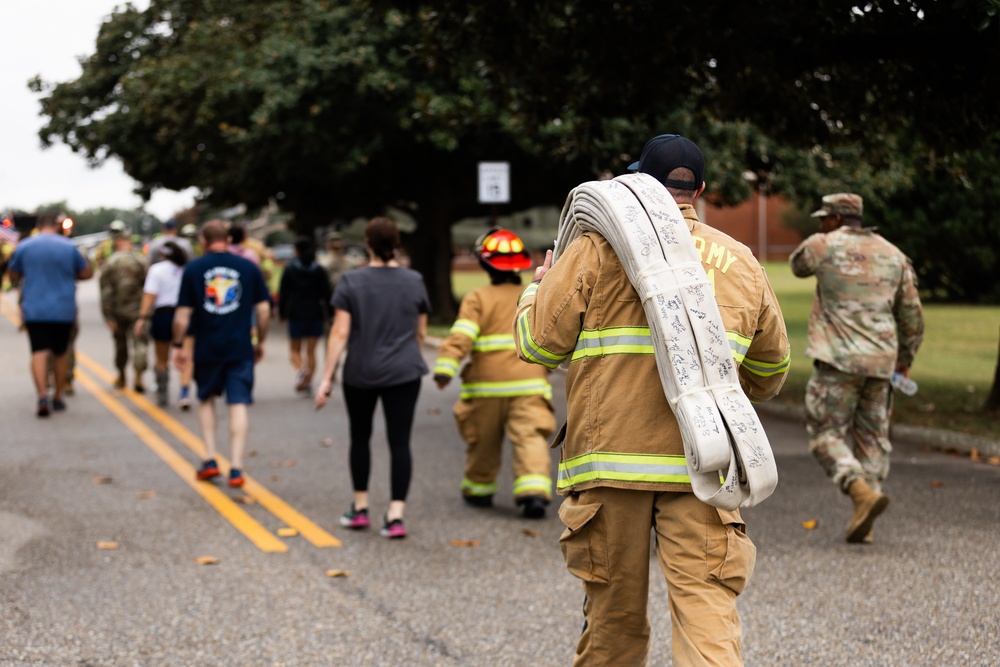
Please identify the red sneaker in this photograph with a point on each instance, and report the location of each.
(236, 478)
(208, 470)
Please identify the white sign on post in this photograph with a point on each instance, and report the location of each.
(494, 182)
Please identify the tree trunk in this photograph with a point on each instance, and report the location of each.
(431, 254)
(993, 400)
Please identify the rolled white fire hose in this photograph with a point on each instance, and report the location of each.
(728, 456)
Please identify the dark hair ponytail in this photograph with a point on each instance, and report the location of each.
(382, 237)
(174, 253)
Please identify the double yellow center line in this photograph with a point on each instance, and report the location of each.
(236, 515)
(254, 531)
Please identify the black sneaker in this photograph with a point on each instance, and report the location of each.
(58, 405)
(43, 407)
(534, 506)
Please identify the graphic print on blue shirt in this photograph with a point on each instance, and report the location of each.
(222, 290)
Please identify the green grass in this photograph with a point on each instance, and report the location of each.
(954, 366)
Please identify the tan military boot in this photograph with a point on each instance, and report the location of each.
(868, 504)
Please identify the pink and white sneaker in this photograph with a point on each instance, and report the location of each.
(355, 519)
(394, 529)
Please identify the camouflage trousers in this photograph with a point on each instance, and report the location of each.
(847, 419)
(140, 345)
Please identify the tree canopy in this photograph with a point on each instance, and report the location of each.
(337, 109)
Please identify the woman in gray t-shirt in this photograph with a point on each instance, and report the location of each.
(380, 317)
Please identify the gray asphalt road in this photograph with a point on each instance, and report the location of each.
(924, 594)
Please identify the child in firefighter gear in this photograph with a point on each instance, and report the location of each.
(121, 284)
(499, 392)
(622, 466)
(866, 323)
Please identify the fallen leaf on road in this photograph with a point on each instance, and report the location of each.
(994, 460)
(529, 532)
(244, 500)
(338, 573)
(326, 442)
(974, 454)
(937, 485)
(290, 463)
(433, 411)
(465, 543)
(275, 478)
(810, 524)
(252, 453)
(287, 532)
(107, 546)
(143, 495)
(101, 479)
(206, 560)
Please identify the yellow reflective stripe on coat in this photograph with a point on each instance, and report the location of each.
(739, 344)
(528, 291)
(466, 327)
(494, 343)
(531, 387)
(471, 488)
(533, 485)
(767, 368)
(531, 350)
(613, 340)
(608, 466)
(446, 366)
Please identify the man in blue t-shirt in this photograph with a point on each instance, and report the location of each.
(219, 295)
(49, 266)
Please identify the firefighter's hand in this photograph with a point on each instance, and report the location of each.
(544, 268)
(441, 380)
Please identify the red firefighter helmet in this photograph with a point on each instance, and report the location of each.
(503, 250)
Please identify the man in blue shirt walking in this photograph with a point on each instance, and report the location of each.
(219, 295)
(48, 266)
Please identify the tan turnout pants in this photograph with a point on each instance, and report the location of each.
(704, 554)
(528, 422)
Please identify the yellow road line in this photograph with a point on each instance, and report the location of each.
(268, 500)
(243, 522)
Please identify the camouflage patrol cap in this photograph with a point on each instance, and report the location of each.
(841, 203)
(117, 228)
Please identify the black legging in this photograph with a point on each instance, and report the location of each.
(398, 403)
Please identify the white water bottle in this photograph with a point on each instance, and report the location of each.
(903, 384)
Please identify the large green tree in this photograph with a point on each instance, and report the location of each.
(342, 108)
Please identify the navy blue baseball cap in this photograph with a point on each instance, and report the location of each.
(662, 154)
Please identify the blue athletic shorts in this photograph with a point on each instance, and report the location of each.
(161, 325)
(305, 328)
(234, 378)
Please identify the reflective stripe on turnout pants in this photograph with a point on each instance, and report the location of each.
(528, 422)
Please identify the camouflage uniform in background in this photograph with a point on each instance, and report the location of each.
(334, 261)
(866, 321)
(121, 293)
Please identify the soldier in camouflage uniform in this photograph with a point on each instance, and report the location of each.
(121, 282)
(866, 323)
(335, 261)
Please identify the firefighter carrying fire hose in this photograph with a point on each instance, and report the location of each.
(500, 393)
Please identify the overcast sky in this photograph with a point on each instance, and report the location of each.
(45, 37)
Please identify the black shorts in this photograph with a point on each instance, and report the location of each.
(53, 336)
(161, 325)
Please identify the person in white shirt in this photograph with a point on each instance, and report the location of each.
(159, 299)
